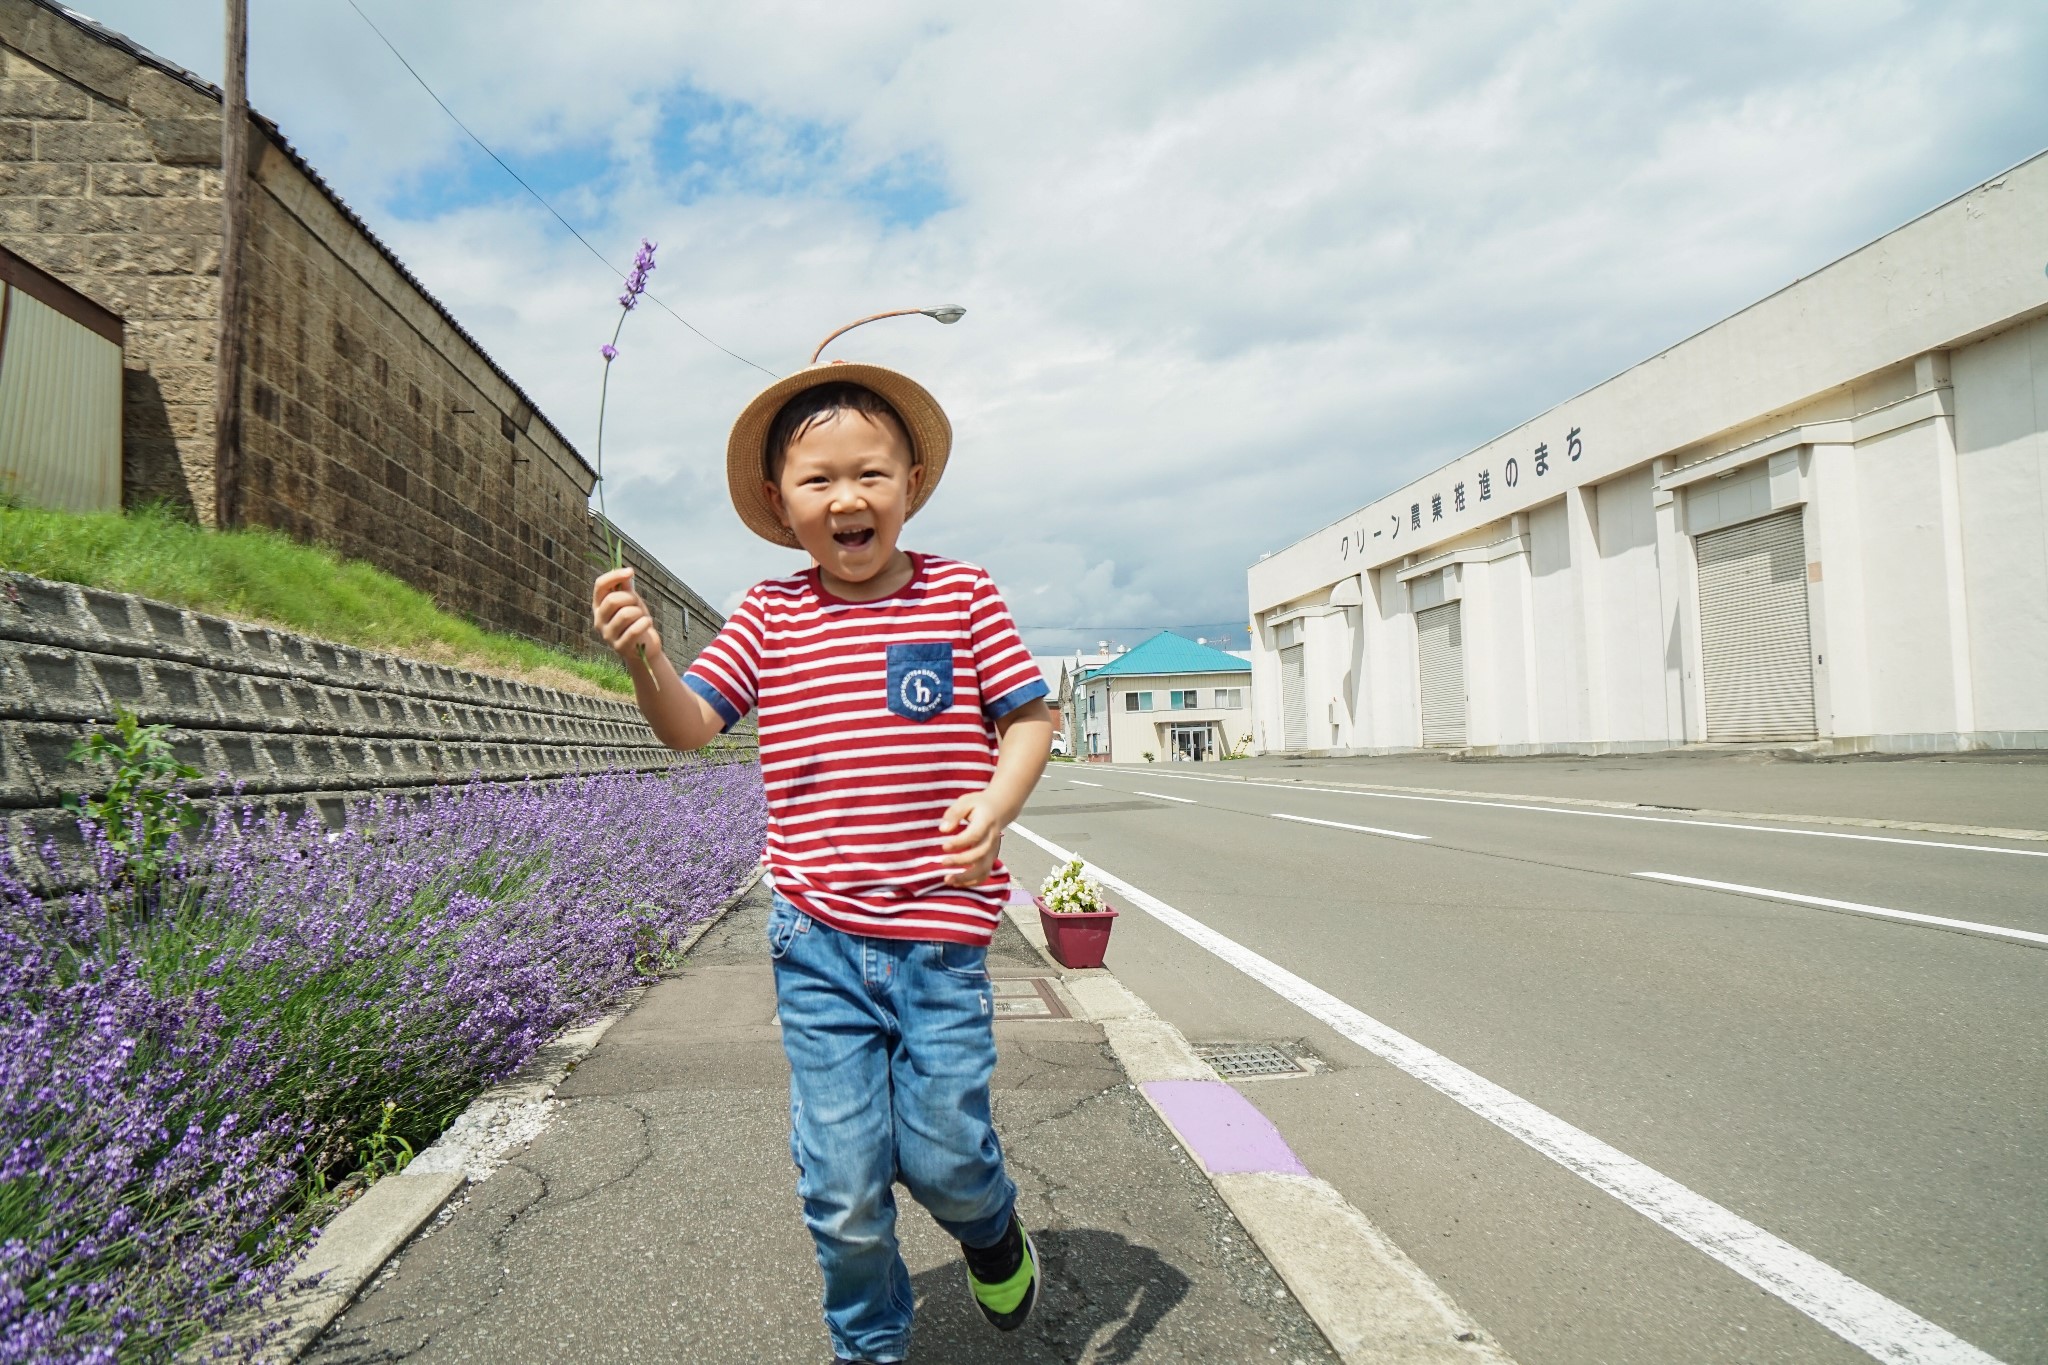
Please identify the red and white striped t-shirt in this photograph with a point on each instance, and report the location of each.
(875, 717)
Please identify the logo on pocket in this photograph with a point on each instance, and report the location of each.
(920, 679)
(919, 691)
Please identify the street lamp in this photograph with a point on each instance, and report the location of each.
(948, 313)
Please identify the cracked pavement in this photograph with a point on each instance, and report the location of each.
(656, 1218)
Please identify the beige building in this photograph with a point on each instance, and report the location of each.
(1168, 700)
(1820, 521)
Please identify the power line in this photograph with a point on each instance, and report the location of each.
(538, 198)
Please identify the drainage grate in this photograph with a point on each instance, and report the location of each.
(1235, 1061)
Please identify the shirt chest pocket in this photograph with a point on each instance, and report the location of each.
(920, 679)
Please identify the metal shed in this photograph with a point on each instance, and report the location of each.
(60, 393)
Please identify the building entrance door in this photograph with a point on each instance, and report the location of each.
(1440, 640)
(1193, 743)
(1753, 631)
(1293, 706)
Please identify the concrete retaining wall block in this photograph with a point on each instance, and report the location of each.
(280, 718)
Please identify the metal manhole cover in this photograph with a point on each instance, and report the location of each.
(1027, 997)
(1235, 1061)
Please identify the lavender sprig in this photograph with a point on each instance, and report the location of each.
(636, 285)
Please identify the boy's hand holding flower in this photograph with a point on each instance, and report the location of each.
(623, 619)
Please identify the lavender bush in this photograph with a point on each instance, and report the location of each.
(189, 1070)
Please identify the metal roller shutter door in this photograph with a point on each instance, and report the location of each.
(1753, 631)
(1293, 704)
(1440, 633)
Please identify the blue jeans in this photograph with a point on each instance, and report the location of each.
(891, 1045)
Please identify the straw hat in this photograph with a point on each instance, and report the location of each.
(931, 437)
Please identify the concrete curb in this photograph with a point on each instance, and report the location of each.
(1636, 807)
(355, 1243)
(353, 1246)
(1373, 1304)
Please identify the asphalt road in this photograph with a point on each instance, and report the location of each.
(1872, 1091)
(1995, 787)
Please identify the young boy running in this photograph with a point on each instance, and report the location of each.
(902, 727)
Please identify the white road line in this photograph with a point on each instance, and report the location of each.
(1339, 824)
(1079, 783)
(1608, 815)
(2024, 935)
(1850, 1309)
(1162, 796)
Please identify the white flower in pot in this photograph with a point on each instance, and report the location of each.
(1074, 916)
(1068, 891)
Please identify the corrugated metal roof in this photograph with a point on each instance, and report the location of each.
(1170, 653)
(142, 54)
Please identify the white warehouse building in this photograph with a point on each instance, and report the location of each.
(1824, 519)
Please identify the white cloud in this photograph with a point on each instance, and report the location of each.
(1230, 270)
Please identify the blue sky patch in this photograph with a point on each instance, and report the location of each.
(702, 146)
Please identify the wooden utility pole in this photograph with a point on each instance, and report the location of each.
(234, 194)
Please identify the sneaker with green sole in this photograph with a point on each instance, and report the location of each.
(1006, 1300)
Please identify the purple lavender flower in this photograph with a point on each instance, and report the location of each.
(636, 279)
(177, 1084)
(609, 352)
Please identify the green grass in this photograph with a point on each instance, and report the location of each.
(263, 576)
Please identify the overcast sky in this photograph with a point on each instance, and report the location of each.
(1230, 270)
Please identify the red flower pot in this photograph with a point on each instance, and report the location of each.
(1076, 939)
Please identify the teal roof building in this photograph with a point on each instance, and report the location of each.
(1169, 699)
(1170, 653)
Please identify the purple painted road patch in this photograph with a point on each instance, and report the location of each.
(1228, 1135)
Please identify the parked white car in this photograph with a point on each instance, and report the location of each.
(1059, 744)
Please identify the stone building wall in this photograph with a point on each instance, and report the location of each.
(372, 423)
(291, 719)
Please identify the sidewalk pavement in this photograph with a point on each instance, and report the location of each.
(656, 1219)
